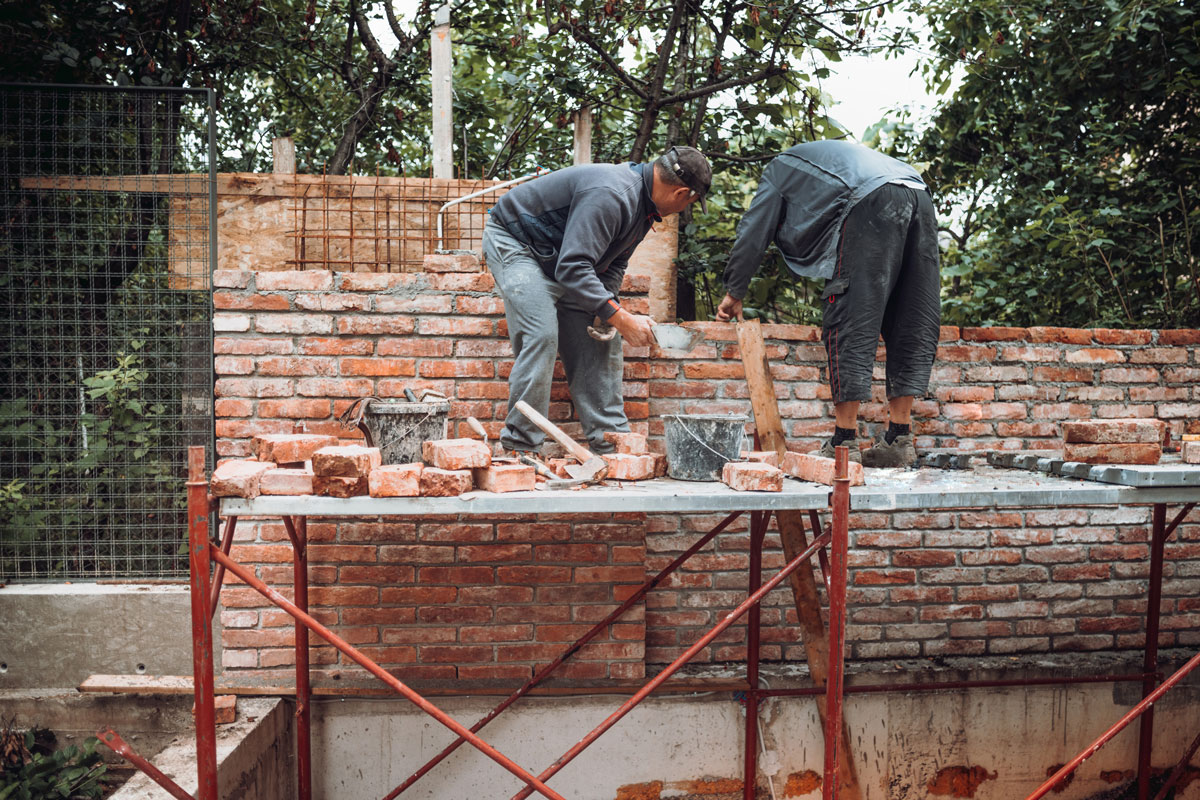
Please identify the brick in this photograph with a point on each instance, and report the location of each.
(339, 486)
(1184, 336)
(1095, 355)
(745, 476)
(1114, 430)
(294, 408)
(239, 479)
(627, 467)
(395, 480)
(1126, 453)
(1062, 335)
(1062, 374)
(437, 482)
(762, 457)
(456, 454)
(291, 448)
(349, 461)
(1190, 452)
(226, 708)
(627, 443)
(287, 481)
(452, 262)
(808, 467)
(505, 478)
(293, 280)
(994, 334)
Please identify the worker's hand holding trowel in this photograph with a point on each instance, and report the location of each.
(637, 329)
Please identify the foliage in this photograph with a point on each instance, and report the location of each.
(1070, 157)
(31, 770)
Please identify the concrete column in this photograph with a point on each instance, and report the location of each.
(443, 95)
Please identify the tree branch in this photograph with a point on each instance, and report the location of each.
(712, 88)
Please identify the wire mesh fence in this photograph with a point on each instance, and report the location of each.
(106, 234)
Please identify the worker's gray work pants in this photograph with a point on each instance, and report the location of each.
(542, 323)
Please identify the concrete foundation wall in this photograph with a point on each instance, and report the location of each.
(55, 635)
(992, 744)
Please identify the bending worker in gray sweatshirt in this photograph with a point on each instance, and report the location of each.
(865, 223)
(558, 247)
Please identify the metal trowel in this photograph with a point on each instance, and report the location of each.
(676, 339)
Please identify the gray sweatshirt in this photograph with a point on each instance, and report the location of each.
(582, 224)
(802, 202)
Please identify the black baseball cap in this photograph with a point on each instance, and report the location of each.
(690, 166)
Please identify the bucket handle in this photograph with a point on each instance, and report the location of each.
(701, 442)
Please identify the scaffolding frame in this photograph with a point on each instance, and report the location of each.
(203, 551)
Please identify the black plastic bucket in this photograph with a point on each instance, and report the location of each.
(698, 445)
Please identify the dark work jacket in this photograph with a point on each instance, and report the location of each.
(582, 224)
(802, 202)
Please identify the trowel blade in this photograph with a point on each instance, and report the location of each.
(675, 338)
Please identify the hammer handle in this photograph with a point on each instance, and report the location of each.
(556, 433)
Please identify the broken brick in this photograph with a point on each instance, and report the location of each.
(1111, 431)
(660, 464)
(290, 448)
(505, 478)
(629, 443)
(239, 479)
(287, 481)
(818, 469)
(629, 467)
(747, 476)
(395, 480)
(1118, 453)
(456, 454)
(438, 482)
(350, 461)
(762, 457)
(226, 708)
(340, 486)
(1190, 452)
(559, 466)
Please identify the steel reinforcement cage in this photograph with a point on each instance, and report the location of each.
(107, 246)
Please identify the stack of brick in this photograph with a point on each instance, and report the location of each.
(632, 459)
(1114, 441)
(344, 471)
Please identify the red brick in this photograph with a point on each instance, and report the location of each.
(1190, 452)
(349, 461)
(288, 448)
(461, 282)
(238, 479)
(993, 334)
(436, 482)
(457, 326)
(452, 262)
(965, 353)
(923, 558)
(376, 367)
(872, 577)
(294, 408)
(395, 480)
(252, 347)
(630, 443)
(1184, 336)
(367, 324)
(287, 482)
(819, 470)
(326, 301)
(505, 478)
(1129, 375)
(421, 304)
(339, 486)
(1062, 374)
(752, 477)
(456, 454)
(718, 371)
(1119, 336)
(1029, 353)
(1063, 335)
(457, 368)
(762, 457)
(626, 467)
(1141, 453)
(1114, 430)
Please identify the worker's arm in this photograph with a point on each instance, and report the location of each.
(756, 231)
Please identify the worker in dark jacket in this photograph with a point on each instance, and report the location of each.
(558, 247)
(865, 223)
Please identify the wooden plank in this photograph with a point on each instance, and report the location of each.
(441, 80)
(233, 683)
(582, 139)
(283, 151)
(254, 184)
(791, 534)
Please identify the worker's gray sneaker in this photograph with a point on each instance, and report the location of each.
(826, 450)
(900, 453)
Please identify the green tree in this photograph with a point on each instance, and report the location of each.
(1069, 154)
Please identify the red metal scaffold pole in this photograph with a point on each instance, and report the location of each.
(840, 508)
(202, 637)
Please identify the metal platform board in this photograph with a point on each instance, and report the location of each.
(885, 490)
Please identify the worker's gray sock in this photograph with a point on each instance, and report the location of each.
(895, 430)
(843, 435)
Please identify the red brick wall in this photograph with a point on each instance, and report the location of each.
(295, 348)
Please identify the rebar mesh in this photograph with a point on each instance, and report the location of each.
(105, 301)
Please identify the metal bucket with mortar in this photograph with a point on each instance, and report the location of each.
(398, 428)
(698, 445)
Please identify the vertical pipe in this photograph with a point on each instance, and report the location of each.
(1150, 660)
(840, 508)
(303, 690)
(758, 530)
(202, 642)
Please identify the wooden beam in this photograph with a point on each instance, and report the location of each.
(442, 70)
(791, 534)
(255, 184)
(583, 135)
(283, 151)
